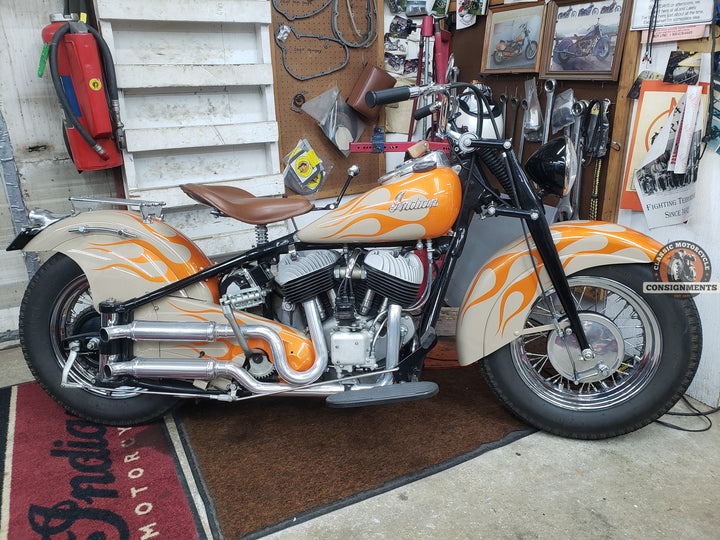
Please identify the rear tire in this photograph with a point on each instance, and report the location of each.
(58, 304)
(658, 341)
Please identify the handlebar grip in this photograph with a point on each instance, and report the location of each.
(422, 112)
(391, 95)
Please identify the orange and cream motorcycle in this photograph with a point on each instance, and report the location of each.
(129, 316)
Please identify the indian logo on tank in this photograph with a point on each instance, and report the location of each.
(415, 202)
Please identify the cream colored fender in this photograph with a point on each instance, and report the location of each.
(123, 256)
(497, 302)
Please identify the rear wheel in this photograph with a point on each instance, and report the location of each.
(57, 309)
(647, 349)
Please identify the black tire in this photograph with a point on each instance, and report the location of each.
(561, 55)
(57, 304)
(531, 50)
(603, 49)
(498, 57)
(661, 343)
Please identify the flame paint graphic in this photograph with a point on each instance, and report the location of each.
(370, 216)
(607, 242)
(164, 256)
(298, 349)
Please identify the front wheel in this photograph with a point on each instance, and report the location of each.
(56, 310)
(603, 48)
(647, 348)
(531, 50)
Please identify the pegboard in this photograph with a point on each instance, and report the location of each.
(307, 56)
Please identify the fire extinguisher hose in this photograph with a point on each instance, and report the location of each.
(110, 81)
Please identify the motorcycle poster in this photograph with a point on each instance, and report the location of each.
(657, 101)
(512, 39)
(585, 40)
(667, 176)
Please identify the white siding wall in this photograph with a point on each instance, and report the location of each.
(197, 102)
(29, 107)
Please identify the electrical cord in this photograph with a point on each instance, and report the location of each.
(696, 413)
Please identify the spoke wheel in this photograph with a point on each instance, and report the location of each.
(622, 329)
(646, 350)
(73, 316)
(57, 309)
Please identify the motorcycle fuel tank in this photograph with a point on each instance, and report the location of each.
(421, 205)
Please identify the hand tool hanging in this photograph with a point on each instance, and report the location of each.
(83, 74)
(550, 86)
(596, 142)
(578, 110)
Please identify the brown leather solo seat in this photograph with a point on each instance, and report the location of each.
(241, 205)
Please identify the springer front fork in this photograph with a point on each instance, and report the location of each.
(540, 231)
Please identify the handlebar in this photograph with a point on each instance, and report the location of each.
(391, 95)
(427, 110)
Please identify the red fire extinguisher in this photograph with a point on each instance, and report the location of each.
(83, 75)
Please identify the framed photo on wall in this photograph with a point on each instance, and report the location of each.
(584, 40)
(513, 38)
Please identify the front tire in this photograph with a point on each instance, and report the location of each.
(531, 50)
(649, 345)
(58, 304)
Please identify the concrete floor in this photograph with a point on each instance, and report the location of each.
(654, 483)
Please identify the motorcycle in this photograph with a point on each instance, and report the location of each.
(611, 8)
(594, 43)
(129, 317)
(508, 49)
(590, 10)
(569, 12)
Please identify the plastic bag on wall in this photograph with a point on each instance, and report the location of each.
(305, 170)
(336, 118)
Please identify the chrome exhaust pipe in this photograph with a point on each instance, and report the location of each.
(167, 331)
(211, 331)
(167, 368)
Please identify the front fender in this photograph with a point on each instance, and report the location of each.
(125, 257)
(498, 300)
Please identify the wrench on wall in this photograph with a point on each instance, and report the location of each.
(550, 86)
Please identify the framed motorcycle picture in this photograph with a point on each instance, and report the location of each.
(584, 40)
(513, 36)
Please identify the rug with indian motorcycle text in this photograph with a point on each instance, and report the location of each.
(218, 470)
(68, 478)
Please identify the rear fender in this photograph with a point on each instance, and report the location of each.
(125, 257)
(500, 297)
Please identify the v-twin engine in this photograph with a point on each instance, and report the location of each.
(353, 292)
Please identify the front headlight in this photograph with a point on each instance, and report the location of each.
(554, 166)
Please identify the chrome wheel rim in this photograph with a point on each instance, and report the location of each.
(72, 304)
(624, 314)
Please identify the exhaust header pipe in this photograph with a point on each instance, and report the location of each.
(211, 331)
(167, 331)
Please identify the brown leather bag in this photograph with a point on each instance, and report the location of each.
(371, 78)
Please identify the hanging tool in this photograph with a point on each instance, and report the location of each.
(524, 105)
(598, 130)
(550, 86)
(503, 98)
(515, 104)
(569, 205)
(578, 109)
